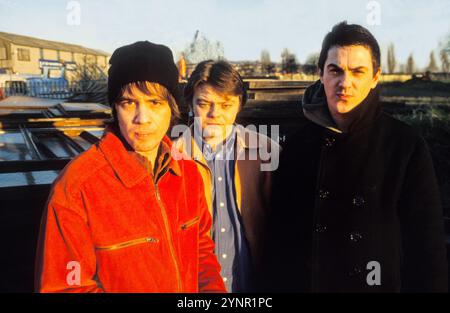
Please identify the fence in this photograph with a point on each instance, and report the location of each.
(94, 90)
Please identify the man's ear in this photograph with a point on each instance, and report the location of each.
(376, 78)
(321, 75)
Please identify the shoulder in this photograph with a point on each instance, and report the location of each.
(401, 133)
(251, 137)
(81, 169)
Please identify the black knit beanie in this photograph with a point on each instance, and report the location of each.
(142, 61)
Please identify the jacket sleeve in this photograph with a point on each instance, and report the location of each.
(66, 260)
(424, 246)
(209, 279)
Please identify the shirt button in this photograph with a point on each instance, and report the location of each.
(320, 229)
(323, 194)
(329, 142)
(225, 279)
(222, 230)
(355, 236)
(219, 178)
(358, 201)
(224, 256)
(222, 204)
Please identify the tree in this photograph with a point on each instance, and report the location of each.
(445, 44)
(311, 63)
(267, 66)
(391, 61)
(444, 61)
(202, 48)
(289, 63)
(410, 65)
(432, 66)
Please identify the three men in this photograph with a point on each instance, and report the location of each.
(128, 215)
(357, 205)
(234, 163)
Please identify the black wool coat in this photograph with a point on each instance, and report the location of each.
(356, 210)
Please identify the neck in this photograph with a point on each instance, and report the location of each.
(150, 155)
(342, 120)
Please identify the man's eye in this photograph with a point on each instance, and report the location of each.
(127, 103)
(156, 102)
(202, 104)
(226, 105)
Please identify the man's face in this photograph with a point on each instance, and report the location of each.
(216, 112)
(143, 119)
(348, 77)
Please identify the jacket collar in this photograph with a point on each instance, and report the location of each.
(315, 109)
(125, 164)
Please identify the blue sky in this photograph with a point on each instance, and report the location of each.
(245, 27)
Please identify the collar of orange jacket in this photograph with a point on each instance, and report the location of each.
(130, 168)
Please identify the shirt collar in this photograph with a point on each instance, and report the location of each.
(223, 149)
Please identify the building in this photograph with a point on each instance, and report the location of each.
(30, 56)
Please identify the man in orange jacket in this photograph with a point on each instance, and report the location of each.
(127, 215)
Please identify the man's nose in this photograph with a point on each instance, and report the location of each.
(144, 114)
(346, 81)
(213, 111)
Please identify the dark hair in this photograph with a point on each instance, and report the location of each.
(344, 34)
(220, 75)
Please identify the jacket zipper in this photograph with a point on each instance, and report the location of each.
(128, 244)
(169, 235)
(190, 223)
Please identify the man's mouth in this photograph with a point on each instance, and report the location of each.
(343, 96)
(143, 135)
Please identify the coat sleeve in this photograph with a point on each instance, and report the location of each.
(66, 260)
(424, 246)
(209, 278)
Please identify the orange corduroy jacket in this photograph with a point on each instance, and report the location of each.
(109, 227)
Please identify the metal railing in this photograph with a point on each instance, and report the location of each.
(54, 89)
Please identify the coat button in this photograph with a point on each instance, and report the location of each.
(358, 201)
(323, 194)
(355, 236)
(329, 141)
(320, 229)
(355, 271)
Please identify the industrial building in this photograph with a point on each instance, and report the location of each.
(29, 56)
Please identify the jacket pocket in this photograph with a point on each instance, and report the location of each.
(127, 244)
(190, 223)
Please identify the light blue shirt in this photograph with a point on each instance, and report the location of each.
(228, 233)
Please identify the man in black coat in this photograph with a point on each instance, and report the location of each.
(356, 203)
